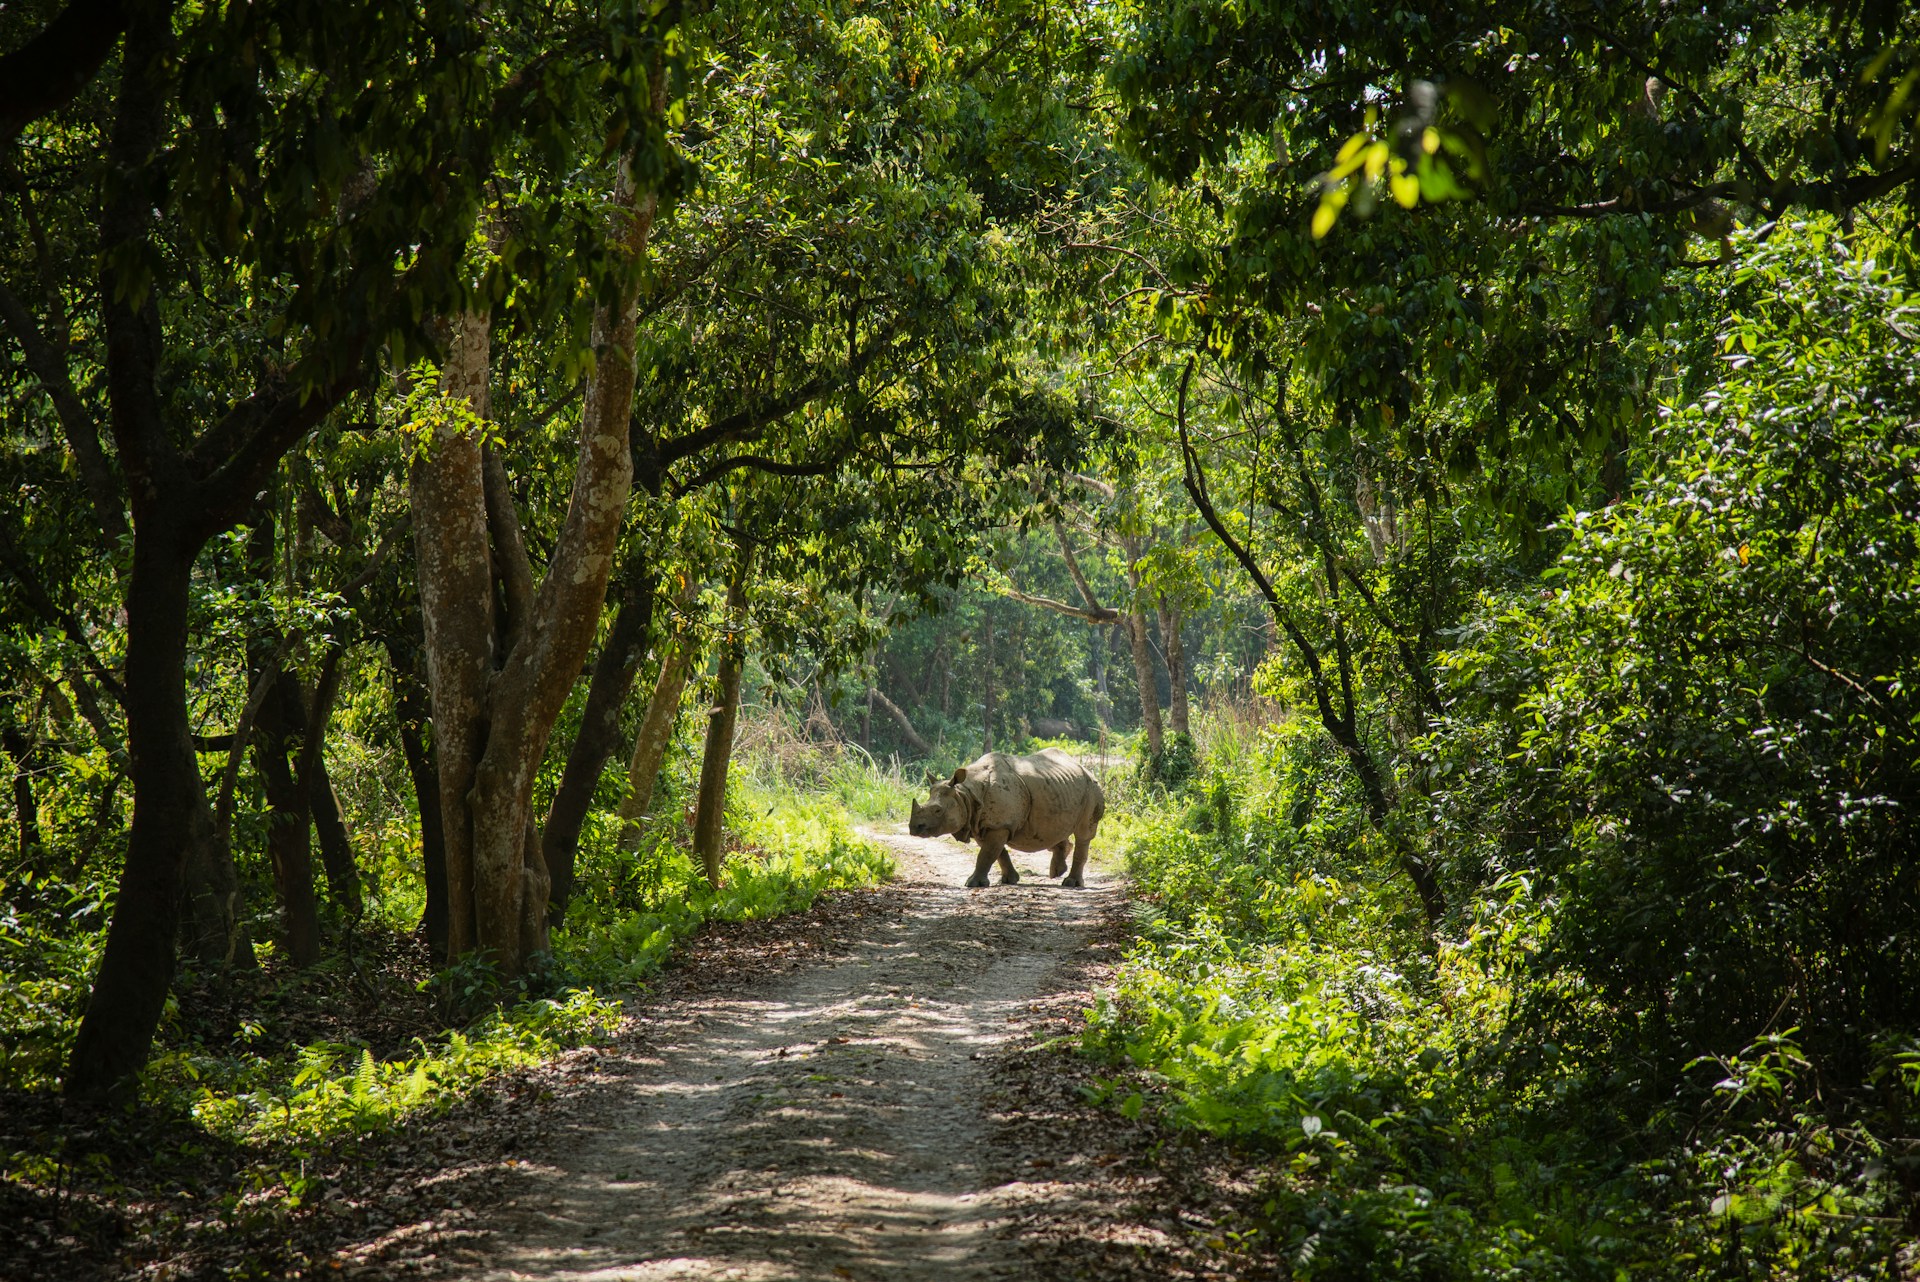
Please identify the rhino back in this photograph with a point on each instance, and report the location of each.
(1064, 797)
(1045, 796)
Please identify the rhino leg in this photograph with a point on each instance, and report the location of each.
(1080, 845)
(1059, 864)
(1009, 875)
(980, 868)
(993, 846)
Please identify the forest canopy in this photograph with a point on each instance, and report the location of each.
(1464, 461)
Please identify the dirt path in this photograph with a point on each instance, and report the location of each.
(830, 1123)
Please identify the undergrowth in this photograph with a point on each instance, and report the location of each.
(237, 1066)
(1282, 993)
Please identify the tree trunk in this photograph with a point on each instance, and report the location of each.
(410, 706)
(986, 645)
(1339, 724)
(1136, 627)
(656, 732)
(329, 824)
(1102, 703)
(289, 848)
(455, 574)
(1176, 667)
(1145, 678)
(1023, 700)
(212, 924)
(170, 816)
(607, 692)
(335, 840)
(26, 811)
(1143, 655)
(412, 713)
(180, 498)
(711, 802)
(491, 734)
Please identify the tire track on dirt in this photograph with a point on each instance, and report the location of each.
(826, 1123)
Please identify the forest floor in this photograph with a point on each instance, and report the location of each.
(894, 1111)
(883, 1086)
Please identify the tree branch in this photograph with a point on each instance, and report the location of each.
(1836, 195)
(1093, 483)
(37, 598)
(44, 74)
(1344, 733)
(773, 467)
(906, 726)
(1418, 671)
(1692, 95)
(1079, 579)
(744, 424)
(510, 560)
(1093, 615)
(1142, 259)
(83, 433)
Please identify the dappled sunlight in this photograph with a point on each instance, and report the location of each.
(830, 1125)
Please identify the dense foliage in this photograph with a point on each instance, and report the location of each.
(1455, 469)
(1672, 1033)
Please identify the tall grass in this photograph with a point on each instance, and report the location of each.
(781, 759)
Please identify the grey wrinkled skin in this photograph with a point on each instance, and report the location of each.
(1045, 801)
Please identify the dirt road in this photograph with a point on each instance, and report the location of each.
(828, 1123)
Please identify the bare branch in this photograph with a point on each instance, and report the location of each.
(1060, 607)
(1142, 259)
(1079, 579)
(906, 726)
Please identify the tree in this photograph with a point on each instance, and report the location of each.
(1683, 739)
(784, 336)
(657, 725)
(492, 719)
(711, 802)
(1560, 163)
(226, 158)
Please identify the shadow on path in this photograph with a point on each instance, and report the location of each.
(823, 1124)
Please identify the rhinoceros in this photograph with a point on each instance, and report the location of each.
(1054, 728)
(1045, 801)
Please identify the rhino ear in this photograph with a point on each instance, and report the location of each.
(932, 778)
(959, 775)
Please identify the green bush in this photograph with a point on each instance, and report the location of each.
(1669, 1031)
(1711, 758)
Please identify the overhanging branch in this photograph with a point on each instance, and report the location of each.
(1093, 615)
(44, 74)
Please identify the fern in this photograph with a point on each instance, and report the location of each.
(416, 1088)
(364, 1079)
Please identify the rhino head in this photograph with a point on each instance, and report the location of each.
(944, 811)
